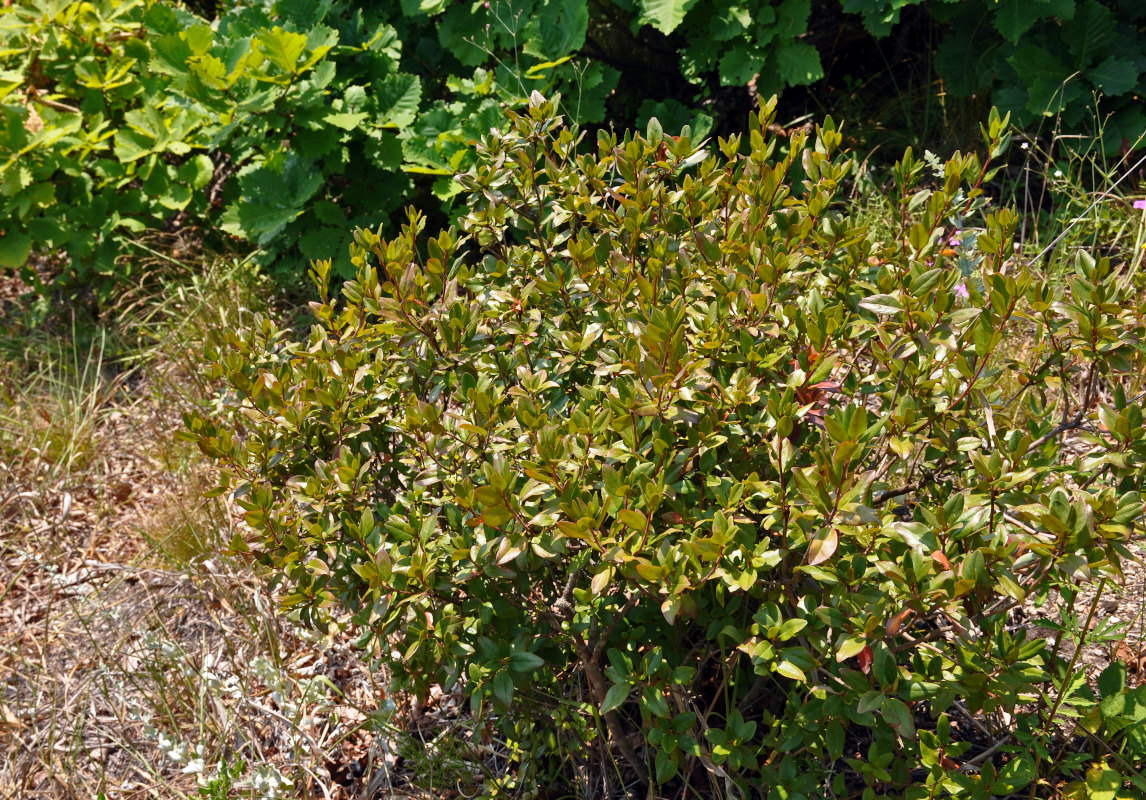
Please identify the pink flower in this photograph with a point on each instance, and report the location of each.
(961, 290)
(1140, 205)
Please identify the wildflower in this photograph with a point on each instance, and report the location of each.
(195, 766)
(1058, 173)
(1140, 205)
(1025, 146)
(961, 290)
(267, 780)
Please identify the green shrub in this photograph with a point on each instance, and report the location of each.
(662, 457)
(1063, 59)
(285, 124)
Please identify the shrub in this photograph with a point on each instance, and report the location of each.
(662, 457)
(284, 124)
(1062, 60)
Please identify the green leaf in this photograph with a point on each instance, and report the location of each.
(282, 48)
(881, 304)
(665, 15)
(738, 64)
(415, 169)
(398, 98)
(1008, 586)
(1090, 33)
(1112, 680)
(301, 14)
(199, 39)
(834, 739)
(496, 516)
(899, 716)
(344, 120)
(870, 701)
(790, 670)
(525, 662)
(503, 689)
(1114, 76)
(791, 627)
(631, 518)
(169, 54)
(271, 200)
(1102, 782)
(556, 29)
(15, 247)
(1047, 81)
(822, 546)
(196, 171)
(618, 693)
(1013, 18)
(798, 63)
(542, 66)
(850, 648)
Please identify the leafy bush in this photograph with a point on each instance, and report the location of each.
(661, 454)
(283, 123)
(1051, 59)
(288, 123)
(690, 60)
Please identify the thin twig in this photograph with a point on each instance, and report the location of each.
(1058, 430)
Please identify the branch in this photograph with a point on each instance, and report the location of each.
(891, 494)
(52, 104)
(1059, 429)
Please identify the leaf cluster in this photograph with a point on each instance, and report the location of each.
(283, 124)
(1052, 58)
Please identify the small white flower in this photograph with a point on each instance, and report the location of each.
(1058, 173)
(267, 780)
(1025, 146)
(195, 766)
(172, 748)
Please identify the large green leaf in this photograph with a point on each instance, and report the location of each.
(798, 63)
(739, 64)
(15, 247)
(1013, 18)
(398, 97)
(665, 15)
(282, 48)
(1115, 76)
(557, 29)
(1090, 33)
(272, 199)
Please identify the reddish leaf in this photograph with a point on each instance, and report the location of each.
(896, 622)
(864, 659)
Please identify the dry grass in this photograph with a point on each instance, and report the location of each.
(134, 657)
